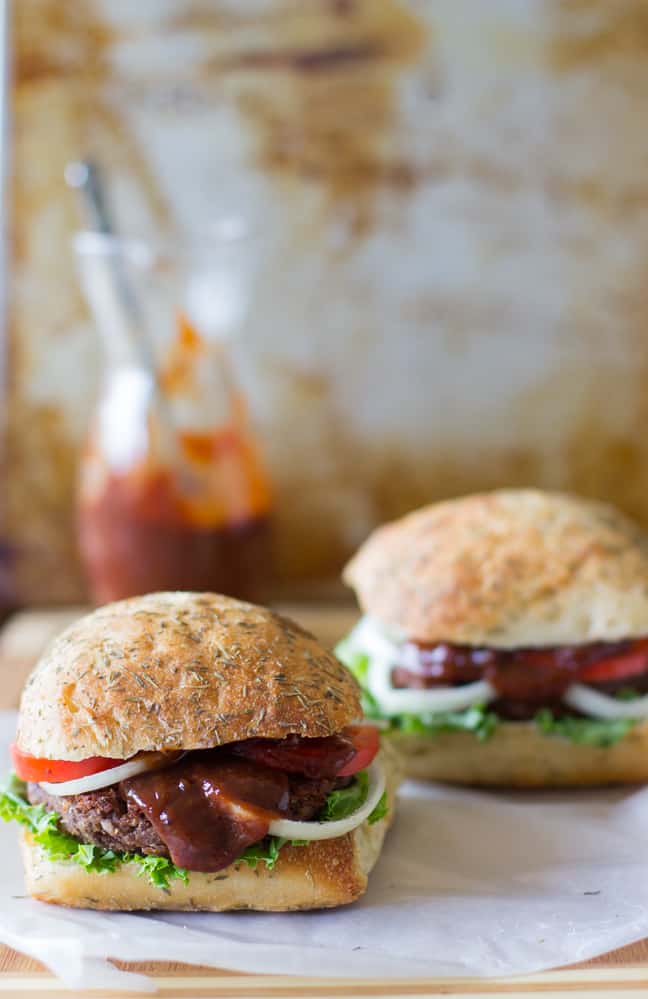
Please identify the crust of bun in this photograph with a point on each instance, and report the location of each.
(321, 875)
(511, 568)
(518, 755)
(180, 671)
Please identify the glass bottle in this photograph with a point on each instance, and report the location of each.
(172, 490)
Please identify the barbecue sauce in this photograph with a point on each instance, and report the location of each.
(138, 538)
(525, 679)
(173, 494)
(210, 809)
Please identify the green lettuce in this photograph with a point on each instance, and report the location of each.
(476, 719)
(380, 811)
(339, 804)
(347, 800)
(160, 871)
(627, 694)
(353, 659)
(58, 845)
(267, 851)
(584, 731)
(358, 663)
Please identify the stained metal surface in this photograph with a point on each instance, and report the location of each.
(454, 209)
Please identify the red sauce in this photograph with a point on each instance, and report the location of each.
(208, 810)
(138, 542)
(525, 679)
(175, 507)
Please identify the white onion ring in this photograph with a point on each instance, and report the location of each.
(289, 829)
(393, 701)
(384, 652)
(94, 782)
(597, 705)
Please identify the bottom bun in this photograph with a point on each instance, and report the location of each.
(321, 875)
(519, 755)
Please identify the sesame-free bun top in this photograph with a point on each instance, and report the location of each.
(180, 671)
(507, 569)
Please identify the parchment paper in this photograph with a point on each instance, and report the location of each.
(468, 884)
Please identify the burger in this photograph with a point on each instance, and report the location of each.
(505, 640)
(190, 751)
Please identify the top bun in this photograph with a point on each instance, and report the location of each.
(180, 671)
(507, 569)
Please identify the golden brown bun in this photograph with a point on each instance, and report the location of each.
(512, 568)
(320, 875)
(518, 755)
(180, 671)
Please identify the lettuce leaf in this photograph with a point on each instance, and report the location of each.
(584, 731)
(350, 656)
(627, 694)
(58, 845)
(380, 811)
(358, 663)
(160, 871)
(477, 719)
(267, 851)
(346, 800)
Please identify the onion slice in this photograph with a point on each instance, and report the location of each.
(289, 829)
(597, 705)
(394, 701)
(384, 650)
(105, 778)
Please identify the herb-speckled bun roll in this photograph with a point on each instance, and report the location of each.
(190, 751)
(505, 640)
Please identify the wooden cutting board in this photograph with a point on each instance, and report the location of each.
(624, 971)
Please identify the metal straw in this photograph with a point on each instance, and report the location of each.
(85, 177)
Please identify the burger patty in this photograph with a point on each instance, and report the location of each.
(105, 818)
(110, 819)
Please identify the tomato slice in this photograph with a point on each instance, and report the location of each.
(366, 740)
(37, 769)
(619, 667)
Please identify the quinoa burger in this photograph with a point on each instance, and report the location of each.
(505, 640)
(190, 751)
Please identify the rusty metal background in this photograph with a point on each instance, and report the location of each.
(454, 203)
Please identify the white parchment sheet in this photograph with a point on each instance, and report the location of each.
(468, 884)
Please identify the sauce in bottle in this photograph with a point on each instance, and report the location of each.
(172, 492)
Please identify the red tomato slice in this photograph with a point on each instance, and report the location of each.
(366, 739)
(630, 663)
(37, 769)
